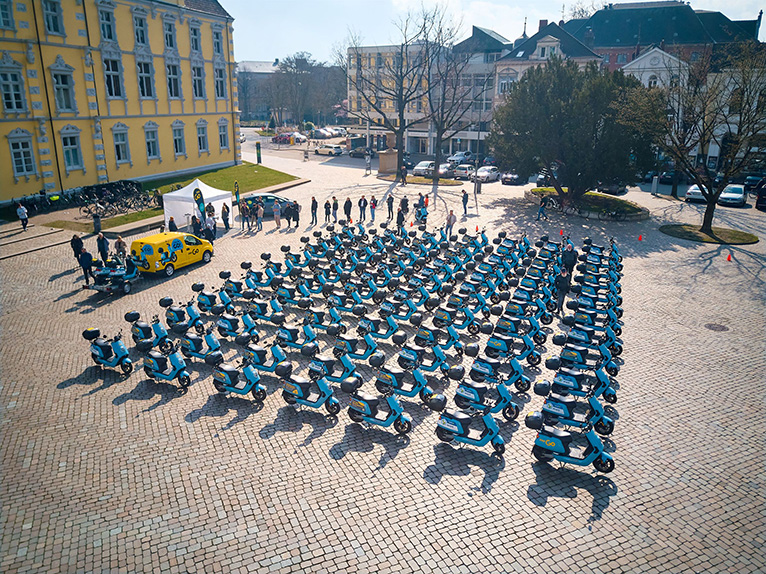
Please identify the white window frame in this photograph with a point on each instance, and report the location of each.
(169, 36)
(177, 78)
(195, 37)
(53, 16)
(653, 81)
(198, 83)
(22, 141)
(70, 141)
(220, 83)
(203, 144)
(217, 41)
(120, 130)
(179, 134)
(12, 83)
(223, 134)
(106, 24)
(153, 129)
(60, 69)
(141, 76)
(116, 74)
(6, 15)
(140, 29)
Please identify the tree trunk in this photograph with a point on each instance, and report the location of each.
(437, 158)
(707, 220)
(399, 149)
(674, 189)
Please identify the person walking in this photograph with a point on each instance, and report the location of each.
(404, 174)
(334, 209)
(297, 213)
(400, 221)
(244, 215)
(373, 207)
(561, 284)
(259, 216)
(569, 259)
(362, 209)
(314, 207)
(76, 244)
(102, 244)
(347, 209)
(21, 211)
(225, 216)
(121, 248)
(465, 202)
(451, 220)
(210, 231)
(543, 205)
(327, 209)
(288, 213)
(86, 262)
(277, 211)
(425, 202)
(390, 203)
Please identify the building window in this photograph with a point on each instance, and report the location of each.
(139, 29)
(217, 42)
(54, 22)
(194, 37)
(198, 81)
(145, 79)
(606, 58)
(174, 81)
(113, 79)
(151, 136)
(542, 52)
(653, 81)
(6, 14)
(106, 19)
(490, 57)
(12, 88)
(64, 89)
(202, 144)
(70, 143)
(22, 158)
(622, 58)
(179, 145)
(223, 134)
(170, 35)
(220, 83)
(121, 147)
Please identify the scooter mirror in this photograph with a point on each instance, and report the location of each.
(553, 363)
(399, 338)
(377, 359)
(224, 275)
(472, 349)
(542, 389)
(198, 287)
(246, 265)
(132, 316)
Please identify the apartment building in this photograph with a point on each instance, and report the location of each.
(102, 90)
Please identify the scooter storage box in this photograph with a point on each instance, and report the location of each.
(333, 330)
(284, 370)
(265, 256)
(198, 287)
(568, 320)
(502, 234)
(309, 349)
(91, 334)
(180, 328)
(218, 309)
(472, 349)
(285, 249)
(560, 339)
(277, 282)
(399, 338)
(573, 305)
(243, 340)
(377, 359)
(249, 294)
(456, 373)
(349, 385)
(553, 363)
(224, 275)
(359, 310)
(437, 402)
(246, 265)
(486, 328)
(166, 302)
(576, 288)
(542, 389)
(462, 231)
(132, 316)
(416, 319)
(144, 345)
(214, 359)
(278, 318)
(534, 420)
(304, 303)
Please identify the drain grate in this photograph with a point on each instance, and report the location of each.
(716, 327)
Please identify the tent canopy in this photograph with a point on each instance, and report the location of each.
(181, 206)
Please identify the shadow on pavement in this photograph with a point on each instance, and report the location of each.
(292, 420)
(219, 405)
(360, 439)
(458, 462)
(93, 374)
(147, 389)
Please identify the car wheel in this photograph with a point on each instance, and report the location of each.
(169, 270)
(206, 256)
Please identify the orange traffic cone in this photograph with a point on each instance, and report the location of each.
(561, 232)
(412, 223)
(729, 257)
(477, 228)
(639, 237)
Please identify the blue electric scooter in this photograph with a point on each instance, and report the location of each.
(366, 408)
(455, 426)
(229, 379)
(182, 318)
(475, 396)
(154, 335)
(298, 390)
(561, 408)
(167, 368)
(108, 352)
(207, 347)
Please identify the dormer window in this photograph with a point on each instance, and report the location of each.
(542, 52)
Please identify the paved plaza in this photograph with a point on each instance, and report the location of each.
(106, 474)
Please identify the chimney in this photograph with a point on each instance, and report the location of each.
(543, 24)
(589, 38)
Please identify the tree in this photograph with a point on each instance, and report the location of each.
(564, 120)
(715, 103)
(583, 10)
(294, 79)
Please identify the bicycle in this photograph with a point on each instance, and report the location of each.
(615, 215)
(575, 209)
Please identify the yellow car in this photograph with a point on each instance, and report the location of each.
(166, 252)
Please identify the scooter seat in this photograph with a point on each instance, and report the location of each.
(494, 364)
(417, 349)
(104, 346)
(395, 373)
(236, 286)
(318, 313)
(480, 388)
(231, 319)
(258, 353)
(301, 382)
(563, 436)
(505, 339)
(567, 400)
(371, 400)
(292, 330)
(327, 361)
(350, 342)
(575, 374)
(463, 418)
(231, 372)
(208, 294)
(576, 348)
(515, 322)
(178, 311)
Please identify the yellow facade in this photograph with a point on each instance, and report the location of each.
(103, 90)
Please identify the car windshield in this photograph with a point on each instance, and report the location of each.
(734, 190)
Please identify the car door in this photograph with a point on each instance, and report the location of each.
(192, 251)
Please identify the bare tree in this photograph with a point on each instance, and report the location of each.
(716, 102)
(582, 9)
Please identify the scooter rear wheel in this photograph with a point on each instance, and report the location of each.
(541, 454)
(289, 398)
(444, 435)
(473, 329)
(540, 338)
(166, 346)
(522, 386)
(355, 415)
(546, 319)
(219, 387)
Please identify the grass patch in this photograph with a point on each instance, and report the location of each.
(593, 201)
(250, 176)
(721, 235)
(266, 133)
(87, 227)
(416, 179)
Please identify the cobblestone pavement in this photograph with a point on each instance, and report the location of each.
(101, 473)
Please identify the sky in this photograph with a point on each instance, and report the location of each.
(269, 29)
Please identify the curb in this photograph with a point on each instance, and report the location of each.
(642, 215)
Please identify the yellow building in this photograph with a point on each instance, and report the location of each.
(102, 90)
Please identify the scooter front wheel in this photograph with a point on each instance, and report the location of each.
(603, 464)
(332, 407)
(473, 329)
(259, 394)
(533, 359)
(511, 412)
(540, 338)
(499, 447)
(127, 367)
(185, 381)
(166, 346)
(402, 426)
(604, 428)
(522, 386)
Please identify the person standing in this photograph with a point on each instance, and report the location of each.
(451, 220)
(569, 259)
(327, 208)
(21, 211)
(373, 207)
(259, 215)
(347, 209)
(543, 205)
(562, 288)
(465, 202)
(334, 209)
(277, 211)
(425, 202)
(288, 213)
(362, 209)
(172, 224)
(244, 215)
(297, 213)
(102, 244)
(400, 221)
(76, 244)
(314, 207)
(196, 226)
(210, 231)
(390, 203)
(121, 248)
(210, 210)
(86, 262)
(225, 216)
(404, 174)
(404, 205)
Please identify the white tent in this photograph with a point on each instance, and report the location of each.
(181, 205)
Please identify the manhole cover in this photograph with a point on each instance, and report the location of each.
(716, 327)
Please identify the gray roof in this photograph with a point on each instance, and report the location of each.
(208, 7)
(570, 46)
(483, 40)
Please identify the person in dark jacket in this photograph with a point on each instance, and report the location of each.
(404, 175)
(76, 244)
(225, 216)
(569, 259)
(287, 213)
(362, 208)
(334, 209)
(327, 208)
(172, 224)
(400, 221)
(196, 226)
(102, 244)
(314, 207)
(86, 262)
(404, 205)
(562, 288)
(296, 213)
(465, 202)
(390, 203)
(347, 209)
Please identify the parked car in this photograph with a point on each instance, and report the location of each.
(361, 152)
(489, 160)
(299, 137)
(760, 201)
(694, 194)
(328, 149)
(733, 195)
(649, 176)
(613, 188)
(511, 178)
(464, 171)
(281, 139)
(751, 181)
(446, 170)
(667, 177)
(268, 202)
(487, 173)
(460, 157)
(341, 132)
(543, 180)
(424, 169)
